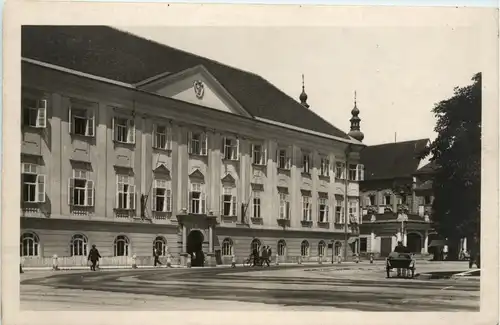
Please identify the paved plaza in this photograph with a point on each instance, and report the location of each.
(348, 286)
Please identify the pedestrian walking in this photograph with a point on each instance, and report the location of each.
(269, 254)
(94, 257)
(156, 253)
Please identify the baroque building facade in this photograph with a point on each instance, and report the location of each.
(132, 145)
(396, 198)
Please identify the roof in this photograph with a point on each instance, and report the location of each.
(427, 185)
(120, 56)
(392, 160)
(430, 168)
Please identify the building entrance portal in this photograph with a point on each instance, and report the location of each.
(195, 247)
(414, 243)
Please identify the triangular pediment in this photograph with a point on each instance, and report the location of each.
(197, 174)
(228, 179)
(195, 85)
(162, 169)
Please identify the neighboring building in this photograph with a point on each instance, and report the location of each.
(130, 145)
(396, 198)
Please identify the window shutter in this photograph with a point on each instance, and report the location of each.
(326, 212)
(168, 203)
(233, 206)
(113, 130)
(223, 148)
(190, 202)
(265, 156)
(132, 200)
(70, 121)
(91, 123)
(71, 188)
(41, 118)
(190, 146)
(222, 203)
(168, 138)
(287, 210)
(203, 203)
(131, 131)
(155, 144)
(252, 154)
(204, 144)
(278, 158)
(90, 193)
(117, 197)
(40, 188)
(155, 193)
(237, 150)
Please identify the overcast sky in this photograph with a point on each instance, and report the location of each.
(399, 72)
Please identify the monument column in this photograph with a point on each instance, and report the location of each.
(426, 242)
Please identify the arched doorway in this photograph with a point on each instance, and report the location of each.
(194, 247)
(414, 242)
(338, 248)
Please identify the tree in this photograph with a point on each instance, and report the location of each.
(457, 155)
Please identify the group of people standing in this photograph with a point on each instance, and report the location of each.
(264, 256)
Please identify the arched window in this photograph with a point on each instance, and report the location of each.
(304, 248)
(78, 245)
(256, 244)
(281, 247)
(121, 246)
(30, 244)
(160, 243)
(227, 247)
(338, 248)
(321, 248)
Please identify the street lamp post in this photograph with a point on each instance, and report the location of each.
(346, 207)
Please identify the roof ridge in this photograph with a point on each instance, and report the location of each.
(399, 142)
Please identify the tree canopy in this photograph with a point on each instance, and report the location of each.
(456, 153)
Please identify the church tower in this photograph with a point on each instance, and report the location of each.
(355, 120)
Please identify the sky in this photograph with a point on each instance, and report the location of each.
(399, 73)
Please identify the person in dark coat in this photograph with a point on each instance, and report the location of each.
(94, 257)
(255, 254)
(156, 253)
(400, 248)
(269, 253)
(265, 257)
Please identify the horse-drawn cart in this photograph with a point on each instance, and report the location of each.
(403, 262)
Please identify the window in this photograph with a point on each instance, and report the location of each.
(340, 170)
(284, 206)
(371, 199)
(162, 196)
(321, 248)
(363, 244)
(125, 192)
(228, 202)
(323, 210)
(387, 199)
(227, 247)
(256, 205)
(306, 163)
(35, 112)
(306, 208)
(78, 245)
(325, 167)
(339, 211)
(197, 143)
(230, 148)
(121, 246)
(124, 130)
(360, 172)
(353, 209)
(197, 199)
(353, 171)
(284, 160)
(30, 245)
(162, 137)
(160, 244)
(81, 121)
(259, 155)
(304, 248)
(255, 245)
(281, 247)
(338, 248)
(427, 200)
(80, 189)
(33, 184)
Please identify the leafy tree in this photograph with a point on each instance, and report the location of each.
(457, 155)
